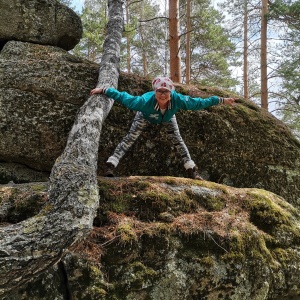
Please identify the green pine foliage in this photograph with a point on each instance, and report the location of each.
(234, 23)
(287, 15)
(212, 51)
(146, 30)
(94, 20)
(289, 96)
(283, 53)
(287, 12)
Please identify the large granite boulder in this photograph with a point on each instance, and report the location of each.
(42, 88)
(45, 22)
(17, 172)
(167, 238)
(241, 146)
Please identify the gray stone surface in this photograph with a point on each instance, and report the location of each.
(42, 88)
(18, 173)
(245, 247)
(45, 22)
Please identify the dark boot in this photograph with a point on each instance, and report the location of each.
(193, 173)
(109, 170)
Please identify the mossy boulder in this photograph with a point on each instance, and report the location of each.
(43, 87)
(163, 238)
(241, 146)
(46, 22)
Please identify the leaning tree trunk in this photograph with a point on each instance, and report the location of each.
(30, 247)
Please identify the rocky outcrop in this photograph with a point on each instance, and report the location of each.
(163, 238)
(45, 22)
(241, 146)
(13, 172)
(153, 237)
(31, 246)
(42, 88)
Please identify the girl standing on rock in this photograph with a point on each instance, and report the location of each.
(158, 107)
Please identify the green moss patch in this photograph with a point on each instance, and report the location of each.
(234, 224)
(149, 198)
(22, 200)
(156, 231)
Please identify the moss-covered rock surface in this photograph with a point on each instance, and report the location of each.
(240, 146)
(43, 88)
(161, 238)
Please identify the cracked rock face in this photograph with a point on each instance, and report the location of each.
(172, 239)
(45, 22)
(42, 88)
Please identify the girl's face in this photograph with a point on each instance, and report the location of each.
(162, 95)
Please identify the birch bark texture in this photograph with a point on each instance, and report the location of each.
(28, 248)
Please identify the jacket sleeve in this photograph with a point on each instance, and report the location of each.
(131, 102)
(190, 103)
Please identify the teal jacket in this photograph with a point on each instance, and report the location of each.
(148, 105)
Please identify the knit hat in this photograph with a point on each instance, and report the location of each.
(162, 82)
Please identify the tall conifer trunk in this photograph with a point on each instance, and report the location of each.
(188, 43)
(246, 79)
(128, 40)
(175, 60)
(263, 55)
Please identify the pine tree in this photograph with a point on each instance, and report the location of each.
(145, 40)
(288, 105)
(94, 19)
(211, 51)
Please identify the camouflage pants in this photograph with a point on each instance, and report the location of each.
(138, 125)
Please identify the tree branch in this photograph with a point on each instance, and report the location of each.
(156, 18)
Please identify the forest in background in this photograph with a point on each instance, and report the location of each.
(249, 47)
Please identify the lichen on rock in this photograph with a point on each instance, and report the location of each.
(245, 248)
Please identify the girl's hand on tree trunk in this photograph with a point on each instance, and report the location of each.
(96, 91)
